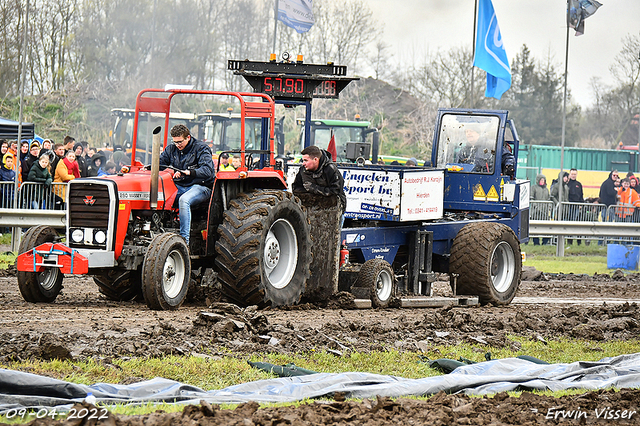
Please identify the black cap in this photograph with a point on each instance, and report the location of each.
(224, 155)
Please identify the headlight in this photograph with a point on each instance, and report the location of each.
(77, 235)
(100, 237)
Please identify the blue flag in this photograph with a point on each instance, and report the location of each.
(490, 54)
(297, 14)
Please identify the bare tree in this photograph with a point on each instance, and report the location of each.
(443, 78)
(379, 60)
(344, 30)
(615, 105)
(11, 28)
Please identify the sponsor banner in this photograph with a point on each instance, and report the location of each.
(377, 194)
(422, 195)
(372, 194)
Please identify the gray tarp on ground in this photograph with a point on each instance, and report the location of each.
(18, 389)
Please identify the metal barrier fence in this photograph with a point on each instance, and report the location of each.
(583, 212)
(542, 210)
(580, 212)
(33, 196)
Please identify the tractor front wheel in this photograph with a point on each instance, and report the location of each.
(166, 272)
(486, 255)
(377, 276)
(38, 287)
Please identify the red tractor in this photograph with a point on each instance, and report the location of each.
(123, 229)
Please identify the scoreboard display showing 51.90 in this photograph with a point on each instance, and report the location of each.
(293, 87)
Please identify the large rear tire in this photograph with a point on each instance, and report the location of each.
(377, 276)
(166, 272)
(486, 255)
(264, 249)
(120, 285)
(38, 287)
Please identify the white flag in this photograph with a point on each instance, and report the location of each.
(578, 11)
(297, 14)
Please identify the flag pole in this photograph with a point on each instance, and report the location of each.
(15, 231)
(275, 25)
(473, 46)
(560, 246)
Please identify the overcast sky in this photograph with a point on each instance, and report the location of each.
(428, 25)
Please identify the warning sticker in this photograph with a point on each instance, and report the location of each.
(492, 195)
(479, 194)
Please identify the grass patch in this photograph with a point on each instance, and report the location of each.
(593, 249)
(578, 259)
(5, 238)
(570, 265)
(561, 350)
(6, 260)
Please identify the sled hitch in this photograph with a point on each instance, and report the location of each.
(423, 302)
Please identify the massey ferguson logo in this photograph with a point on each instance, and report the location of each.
(89, 200)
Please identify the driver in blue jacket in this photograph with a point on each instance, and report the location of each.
(193, 172)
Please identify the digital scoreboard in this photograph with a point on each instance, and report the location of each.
(293, 80)
(292, 87)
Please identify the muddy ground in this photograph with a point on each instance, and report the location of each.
(82, 324)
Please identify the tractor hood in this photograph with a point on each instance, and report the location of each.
(134, 188)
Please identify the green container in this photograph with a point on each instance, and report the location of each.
(548, 157)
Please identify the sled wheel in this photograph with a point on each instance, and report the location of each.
(377, 276)
(39, 286)
(486, 255)
(119, 284)
(166, 272)
(264, 250)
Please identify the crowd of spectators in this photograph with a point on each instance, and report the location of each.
(45, 163)
(617, 201)
(623, 193)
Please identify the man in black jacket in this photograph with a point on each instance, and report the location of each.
(575, 188)
(608, 192)
(193, 175)
(319, 175)
(574, 195)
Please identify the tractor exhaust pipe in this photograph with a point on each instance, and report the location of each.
(155, 167)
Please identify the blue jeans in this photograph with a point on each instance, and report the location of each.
(190, 196)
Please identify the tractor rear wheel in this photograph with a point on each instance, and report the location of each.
(166, 272)
(119, 285)
(264, 249)
(42, 286)
(486, 255)
(377, 276)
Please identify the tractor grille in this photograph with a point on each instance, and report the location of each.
(88, 205)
